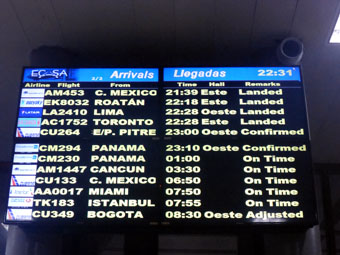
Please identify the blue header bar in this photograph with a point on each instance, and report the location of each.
(232, 74)
(90, 75)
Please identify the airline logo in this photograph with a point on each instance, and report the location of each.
(17, 180)
(30, 112)
(32, 102)
(19, 214)
(24, 169)
(25, 158)
(33, 93)
(28, 132)
(29, 122)
(27, 147)
(20, 202)
(21, 191)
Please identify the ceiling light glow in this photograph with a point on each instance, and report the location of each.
(335, 38)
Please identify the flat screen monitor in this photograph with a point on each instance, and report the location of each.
(206, 147)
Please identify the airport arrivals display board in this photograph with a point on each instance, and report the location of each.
(170, 147)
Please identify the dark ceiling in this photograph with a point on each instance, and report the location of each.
(174, 33)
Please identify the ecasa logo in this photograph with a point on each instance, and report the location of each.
(44, 73)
